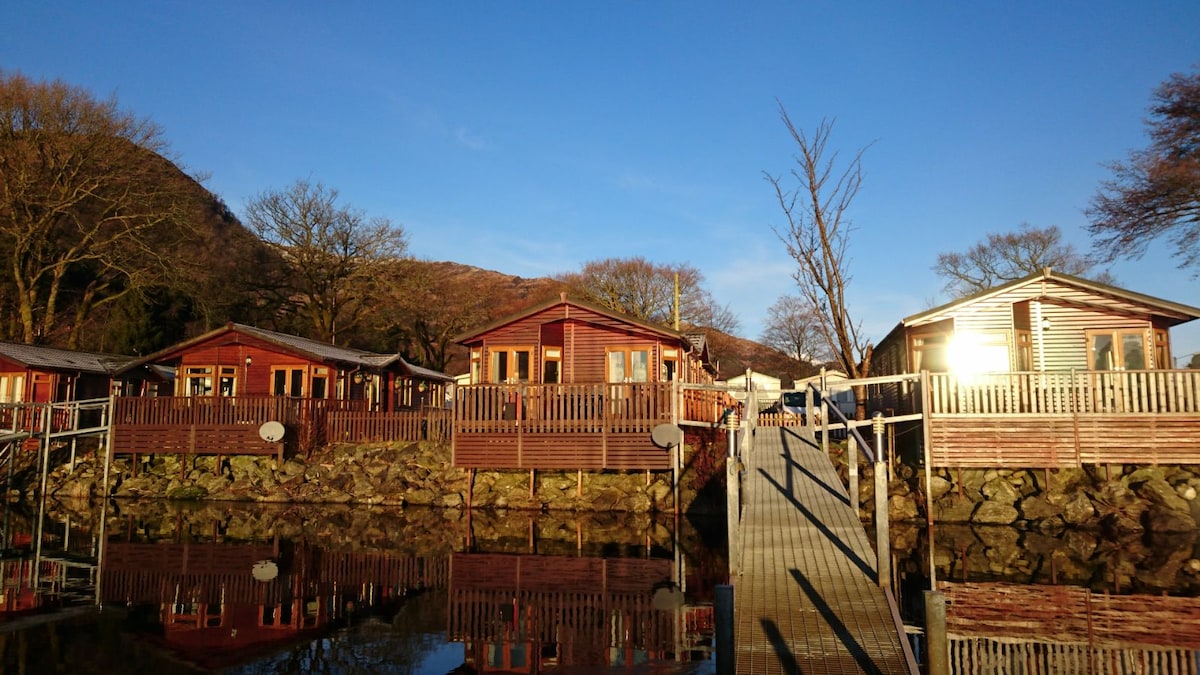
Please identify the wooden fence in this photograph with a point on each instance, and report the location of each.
(425, 424)
(1127, 392)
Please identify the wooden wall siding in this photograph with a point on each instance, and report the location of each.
(568, 426)
(429, 424)
(1066, 440)
(1071, 615)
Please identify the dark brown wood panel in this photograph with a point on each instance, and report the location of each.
(1036, 441)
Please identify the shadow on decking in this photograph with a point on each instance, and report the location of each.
(838, 492)
(860, 655)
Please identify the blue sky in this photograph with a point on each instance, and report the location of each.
(531, 137)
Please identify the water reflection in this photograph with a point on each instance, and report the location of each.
(247, 588)
(1020, 601)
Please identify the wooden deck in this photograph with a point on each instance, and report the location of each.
(1064, 419)
(574, 426)
(806, 600)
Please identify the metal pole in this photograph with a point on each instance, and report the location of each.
(723, 608)
(733, 497)
(937, 644)
(882, 538)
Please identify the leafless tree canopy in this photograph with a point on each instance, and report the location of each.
(815, 201)
(794, 329)
(87, 211)
(335, 255)
(1009, 256)
(646, 290)
(1156, 192)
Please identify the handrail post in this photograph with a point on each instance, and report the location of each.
(882, 536)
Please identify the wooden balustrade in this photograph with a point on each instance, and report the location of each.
(1066, 392)
(425, 424)
(562, 408)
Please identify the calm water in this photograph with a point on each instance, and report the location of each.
(239, 588)
(249, 589)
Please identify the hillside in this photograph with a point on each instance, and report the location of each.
(508, 294)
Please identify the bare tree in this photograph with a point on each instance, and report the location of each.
(816, 235)
(1156, 193)
(794, 329)
(333, 254)
(1009, 256)
(646, 290)
(88, 207)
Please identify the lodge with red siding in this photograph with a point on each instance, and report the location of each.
(570, 385)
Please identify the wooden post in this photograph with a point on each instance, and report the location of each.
(723, 620)
(883, 543)
(937, 644)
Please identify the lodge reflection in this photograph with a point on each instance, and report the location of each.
(217, 602)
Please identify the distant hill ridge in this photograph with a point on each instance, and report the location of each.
(512, 294)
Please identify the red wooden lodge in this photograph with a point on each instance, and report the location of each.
(245, 390)
(571, 385)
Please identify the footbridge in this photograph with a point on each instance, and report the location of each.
(809, 594)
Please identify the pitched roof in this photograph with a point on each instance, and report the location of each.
(314, 349)
(53, 358)
(1165, 308)
(564, 300)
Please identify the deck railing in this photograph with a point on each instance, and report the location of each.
(561, 408)
(587, 408)
(423, 424)
(1066, 392)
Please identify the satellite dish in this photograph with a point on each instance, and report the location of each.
(264, 570)
(666, 436)
(271, 432)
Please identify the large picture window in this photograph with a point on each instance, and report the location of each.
(629, 365)
(509, 365)
(1117, 350)
(287, 381)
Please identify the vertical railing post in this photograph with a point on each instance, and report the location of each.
(723, 627)
(733, 495)
(937, 643)
(882, 536)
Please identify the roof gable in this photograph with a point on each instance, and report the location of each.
(565, 308)
(1044, 285)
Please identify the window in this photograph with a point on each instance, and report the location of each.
(509, 364)
(198, 381)
(1117, 350)
(551, 365)
(1162, 355)
(320, 383)
(12, 387)
(476, 366)
(929, 353)
(628, 365)
(1024, 351)
(670, 365)
(287, 381)
(227, 383)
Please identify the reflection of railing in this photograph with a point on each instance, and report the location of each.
(1066, 392)
(1021, 616)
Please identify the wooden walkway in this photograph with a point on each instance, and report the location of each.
(806, 600)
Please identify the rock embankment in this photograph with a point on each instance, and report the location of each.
(1114, 499)
(386, 474)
